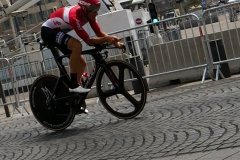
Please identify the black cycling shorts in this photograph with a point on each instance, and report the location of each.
(55, 38)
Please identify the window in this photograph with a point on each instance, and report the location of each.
(50, 1)
(6, 25)
(46, 14)
(163, 4)
(126, 5)
(50, 11)
(40, 16)
(19, 21)
(35, 5)
(27, 21)
(30, 19)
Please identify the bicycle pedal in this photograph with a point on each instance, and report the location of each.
(83, 110)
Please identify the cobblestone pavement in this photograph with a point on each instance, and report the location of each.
(195, 122)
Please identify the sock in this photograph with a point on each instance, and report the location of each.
(74, 82)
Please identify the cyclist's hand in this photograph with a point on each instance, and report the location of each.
(112, 39)
(120, 46)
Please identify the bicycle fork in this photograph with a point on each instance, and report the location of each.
(110, 74)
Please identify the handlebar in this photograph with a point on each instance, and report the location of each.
(98, 48)
(107, 46)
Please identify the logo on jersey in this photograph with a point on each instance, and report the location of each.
(78, 25)
(59, 37)
(66, 40)
(84, 3)
(56, 23)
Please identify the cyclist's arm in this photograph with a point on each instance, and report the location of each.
(101, 34)
(89, 41)
(102, 37)
(96, 28)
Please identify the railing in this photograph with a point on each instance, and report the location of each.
(222, 39)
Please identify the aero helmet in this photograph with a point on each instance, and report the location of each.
(89, 5)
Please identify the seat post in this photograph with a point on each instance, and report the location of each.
(58, 60)
(54, 51)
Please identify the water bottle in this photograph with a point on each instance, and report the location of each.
(84, 78)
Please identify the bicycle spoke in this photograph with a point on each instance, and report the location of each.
(63, 98)
(130, 91)
(113, 79)
(109, 93)
(121, 76)
(130, 98)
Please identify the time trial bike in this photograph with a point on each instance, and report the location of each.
(55, 107)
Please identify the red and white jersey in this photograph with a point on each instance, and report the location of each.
(67, 19)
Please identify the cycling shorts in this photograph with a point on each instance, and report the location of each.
(56, 38)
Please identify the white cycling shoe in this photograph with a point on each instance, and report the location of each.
(79, 89)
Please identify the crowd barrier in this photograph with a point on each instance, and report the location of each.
(194, 49)
(222, 40)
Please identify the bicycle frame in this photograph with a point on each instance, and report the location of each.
(99, 63)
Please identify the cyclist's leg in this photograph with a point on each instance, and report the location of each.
(77, 64)
(67, 45)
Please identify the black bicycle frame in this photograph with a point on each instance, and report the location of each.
(99, 63)
(63, 73)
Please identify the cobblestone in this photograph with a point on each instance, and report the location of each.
(190, 122)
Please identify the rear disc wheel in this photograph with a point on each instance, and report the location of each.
(58, 115)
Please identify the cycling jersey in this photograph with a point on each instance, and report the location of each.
(67, 19)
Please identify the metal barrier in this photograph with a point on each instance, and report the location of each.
(222, 39)
(181, 53)
(7, 89)
(18, 76)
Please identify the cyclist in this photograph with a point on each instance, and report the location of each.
(54, 32)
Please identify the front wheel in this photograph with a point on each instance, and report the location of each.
(122, 91)
(56, 113)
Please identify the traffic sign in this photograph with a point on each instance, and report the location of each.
(138, 21)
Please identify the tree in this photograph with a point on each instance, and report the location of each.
(190, 3)
(194, 3)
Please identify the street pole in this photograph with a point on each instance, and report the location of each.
(40, 8)
(154, 20)
(4, 100)
(16, 22)
(12, 24)
(24, 22)
(181, 9)
(147, 2)
(13, 29)
(60, 3)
